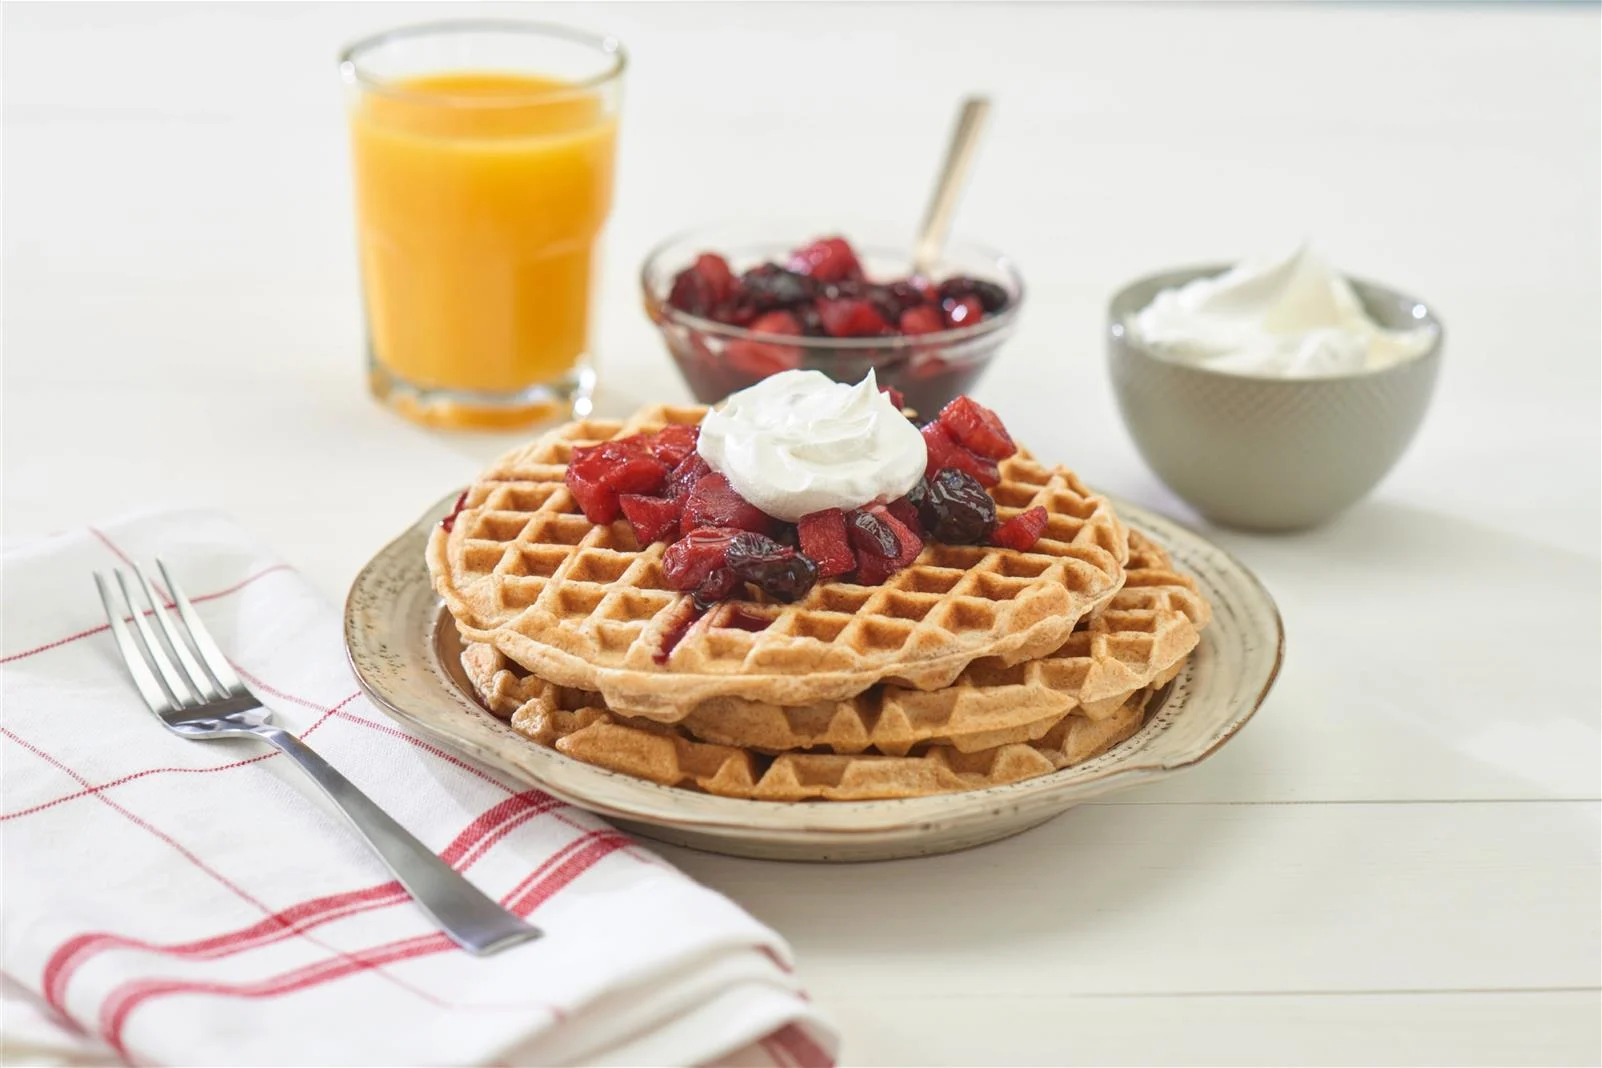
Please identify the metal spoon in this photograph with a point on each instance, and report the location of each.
(948, 185)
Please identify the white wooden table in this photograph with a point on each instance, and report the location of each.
(1397, 862)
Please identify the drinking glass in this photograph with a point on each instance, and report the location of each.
(483, 153)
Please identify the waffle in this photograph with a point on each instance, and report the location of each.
(1149, 625)
(579, 725)
(585, 607)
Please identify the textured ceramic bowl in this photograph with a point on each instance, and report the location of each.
(1269, 453)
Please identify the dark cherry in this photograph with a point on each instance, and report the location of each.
(956, 509)
(770, 286)
(811, 322)
(870, 534)
(778, 570)
(991, 296)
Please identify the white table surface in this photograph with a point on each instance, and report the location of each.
(1397, 862)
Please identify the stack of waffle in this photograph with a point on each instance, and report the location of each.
(974, 666)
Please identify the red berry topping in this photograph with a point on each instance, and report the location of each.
(704, 287)
(759, 359)
(907, 513)
(963, 311)
(692, 559)
(830, 259)
(596, 474)
(672, 444)
(778, 570)
(689, 471)
(713, 503)
(945, 452)
(653, 518)
(977, 428)
(884, 545)
(851, 317)
(1021, 531)
(597, 501)
(924, 319)
(896, 396)
(823, 538)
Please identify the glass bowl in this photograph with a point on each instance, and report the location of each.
(717, 359)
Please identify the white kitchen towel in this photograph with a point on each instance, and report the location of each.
(177, 902)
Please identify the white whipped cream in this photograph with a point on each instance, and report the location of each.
(1289, 318)
(797, 442)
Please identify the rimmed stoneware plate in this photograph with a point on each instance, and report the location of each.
(406, 653)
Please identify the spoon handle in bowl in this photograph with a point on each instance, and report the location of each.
(948, 185)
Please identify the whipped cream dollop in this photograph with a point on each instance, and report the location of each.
(1287, 318)
(797, 442)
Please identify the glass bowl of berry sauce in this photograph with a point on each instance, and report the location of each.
(735, 304)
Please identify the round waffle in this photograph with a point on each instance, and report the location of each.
(577, 724)
(583, 606)
(1150, 624)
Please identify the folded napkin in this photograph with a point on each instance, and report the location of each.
(168, 901)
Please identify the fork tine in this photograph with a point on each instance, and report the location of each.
(195, 674)
(144, 681)
(216, 662)
(182, 690)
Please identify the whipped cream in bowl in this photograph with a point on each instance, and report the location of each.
(1292, 317)
(1274, 394)
(798, 442)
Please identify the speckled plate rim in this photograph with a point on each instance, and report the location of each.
(397, 640)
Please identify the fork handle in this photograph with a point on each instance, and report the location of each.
(474, 921)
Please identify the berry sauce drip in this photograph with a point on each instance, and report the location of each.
(689, 616)
(449, 522)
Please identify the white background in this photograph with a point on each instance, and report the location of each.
(1397, 861)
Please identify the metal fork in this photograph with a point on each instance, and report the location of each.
(196, 694)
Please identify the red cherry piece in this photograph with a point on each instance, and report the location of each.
(713, 503)
(944, 451)
(690, 470)
(823, 538)
(598, 501)
(977, 428)
(705, 287)
(830, 259)
(692, 559)
(1021, 531)
(672, 444)
(924, 319)
(963, 311)
(653, 518)
(851, 317)
(907, 512)
(758, 359)
(636, 474)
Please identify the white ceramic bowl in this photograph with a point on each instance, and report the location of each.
(1266, 453)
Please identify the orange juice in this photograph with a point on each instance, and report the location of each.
(479, 201)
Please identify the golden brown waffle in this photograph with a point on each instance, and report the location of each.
(1150, 624)
(583, 606)
(578, 725)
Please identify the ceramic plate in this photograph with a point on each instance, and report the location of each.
(406, 654)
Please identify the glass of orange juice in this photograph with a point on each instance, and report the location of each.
(483, 155)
